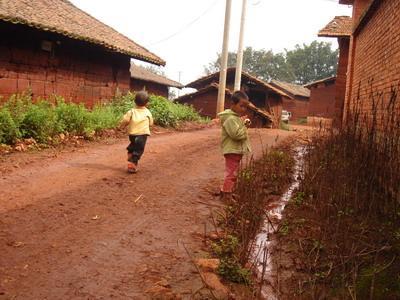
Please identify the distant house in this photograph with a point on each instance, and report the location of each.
(263, 95)
(374, 62)
(144, 79)
(297, 100)
(205, 101)
(322, 98)
(53, 47)
(340, 27)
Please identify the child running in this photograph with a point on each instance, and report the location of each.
(235, 141)
(139, 120)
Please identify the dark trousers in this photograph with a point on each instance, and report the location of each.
(136, 147)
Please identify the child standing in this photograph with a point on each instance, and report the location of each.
(139, 120)
(235, 141)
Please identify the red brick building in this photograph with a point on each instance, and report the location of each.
(263, 95)
(52, 47)
(322, 98)
(340, 27)
(374, 63)
(297, 101)
(205, 102)
(144, 79)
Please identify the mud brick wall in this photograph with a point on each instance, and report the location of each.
(150, 87)
(375, 58)
(322, 100)
(298, 108)
(341, 77)
(78, 71)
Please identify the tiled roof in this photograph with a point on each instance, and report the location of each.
(190, 96)
(141, 73)
(207, 80)
(291, 89)
(325, 80)
(340, 26)
(62, 17)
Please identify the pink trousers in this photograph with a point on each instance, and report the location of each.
(232, 163)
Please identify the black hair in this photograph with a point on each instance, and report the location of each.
(141, 98)
(239, 95)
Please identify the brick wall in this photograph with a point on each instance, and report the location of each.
(206, 103)
(341, 77)
(150, 87)
(78, 71)
(359, 8)
(298, 108)
(375, 61)
(322, 100)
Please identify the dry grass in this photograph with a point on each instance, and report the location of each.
(261, 182)
(350, 201)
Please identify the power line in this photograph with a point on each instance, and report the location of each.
(185, 27)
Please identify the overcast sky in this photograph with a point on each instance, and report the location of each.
(188, 33)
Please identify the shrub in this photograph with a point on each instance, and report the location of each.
(170, 114)
(122, 103)
(72, 118)
(162, 114)
(18, 105)
(103, 117)
(40, 122)
(20, 117)
(8, 129)
(302, 121)
(229, 267)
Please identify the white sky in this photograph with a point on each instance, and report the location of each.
(270, 24)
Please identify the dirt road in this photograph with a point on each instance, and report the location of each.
(77, 226)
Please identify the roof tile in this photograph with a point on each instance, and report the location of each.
(147, 75)
(291, 88)
(340, 26)
(62, 17)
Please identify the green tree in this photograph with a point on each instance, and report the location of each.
(262, 63)
(155, 69)
(312, 62)
(301, 65)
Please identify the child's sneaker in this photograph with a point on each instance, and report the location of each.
(132, 168)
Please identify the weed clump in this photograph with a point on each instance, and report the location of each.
(21, 117)
(350, 188)
(260, 182)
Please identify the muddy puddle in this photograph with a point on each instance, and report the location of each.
(264, 244)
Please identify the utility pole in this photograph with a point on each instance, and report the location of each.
(224, 59)
(179, 80)
(239, 57)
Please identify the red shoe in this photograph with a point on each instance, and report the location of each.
(132, 168)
